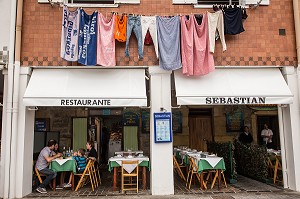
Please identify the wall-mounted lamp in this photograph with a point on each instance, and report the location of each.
(162, 109)
(33, 108)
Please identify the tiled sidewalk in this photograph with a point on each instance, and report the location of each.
(242, 188)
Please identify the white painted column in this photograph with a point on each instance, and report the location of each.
(161, 154)
(25, 138)
(291, 128)
(4, 144)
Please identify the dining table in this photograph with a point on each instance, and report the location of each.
(204, 162)
(63, 165)
(115, 162)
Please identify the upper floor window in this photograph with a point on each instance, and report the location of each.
(91, 3)
(209, 3)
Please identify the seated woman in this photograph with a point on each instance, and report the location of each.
(91, 152)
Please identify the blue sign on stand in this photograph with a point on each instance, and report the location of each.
(163, 127)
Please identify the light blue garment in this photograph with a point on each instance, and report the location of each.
(87, 40)
(134, 23)
(69, 34)
(168, 37)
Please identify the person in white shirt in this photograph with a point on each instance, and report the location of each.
(267, 135)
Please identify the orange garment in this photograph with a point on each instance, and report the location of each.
(120, 30)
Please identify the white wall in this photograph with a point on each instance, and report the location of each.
(162, 179)
(5, 6)
(24, 152)
(291, 129)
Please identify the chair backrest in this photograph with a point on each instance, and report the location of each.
(278, 162)
(133, 164)
(193, 164)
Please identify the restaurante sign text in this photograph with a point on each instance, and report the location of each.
(235, 100)
(85, 102)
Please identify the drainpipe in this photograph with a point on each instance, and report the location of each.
(17, 148)
(8, 130)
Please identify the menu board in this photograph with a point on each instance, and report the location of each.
(162, 127)
(130, 119)
(145, 121)
(234, 121)
(41, 125)
(176, 121)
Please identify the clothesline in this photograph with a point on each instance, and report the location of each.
(215, 8)
(186, 41)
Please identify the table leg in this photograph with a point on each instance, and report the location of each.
(144, 178)
(115, 179)
(201, 181)
(219, 178)
(62, 175)
(73, 182)
(54, 184)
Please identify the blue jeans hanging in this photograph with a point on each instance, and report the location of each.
(134, 23)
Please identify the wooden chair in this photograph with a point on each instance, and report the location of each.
(271, 164)
(40, 175)
(215, 178)
(134, 174)
(178, 167)
(278, 167)
(95, 173)
(85, 176)
(193, 170)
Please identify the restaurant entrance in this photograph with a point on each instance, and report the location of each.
(272, 122)
(200, 128)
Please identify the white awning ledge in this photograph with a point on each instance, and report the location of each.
(231, 86)
(87, 88)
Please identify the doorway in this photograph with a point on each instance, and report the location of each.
(200, 128)
(272, 122)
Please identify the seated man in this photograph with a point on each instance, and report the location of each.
(42, 164)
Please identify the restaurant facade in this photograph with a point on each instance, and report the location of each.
(255, 81)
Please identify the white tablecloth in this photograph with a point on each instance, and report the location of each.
(129, 168)
(62, 161)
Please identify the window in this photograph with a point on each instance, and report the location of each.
(220, 2)
(209, 3)
(91, 3)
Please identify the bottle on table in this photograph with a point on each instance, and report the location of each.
(64, 152)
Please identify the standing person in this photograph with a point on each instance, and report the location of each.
(246, 137)
(80, 163)
(267, 135)
(42, 164)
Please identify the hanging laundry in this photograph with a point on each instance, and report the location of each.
(120, 31)
(168, 37)
(216, 23)
(187, 44)
(203, 59)
(149, 23)
(69, 34)
(148, 39)
(87, 41)
(106, 50)
(134, 24)
(233, 21)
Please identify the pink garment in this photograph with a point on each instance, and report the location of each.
(187, 31)
(203, 59)
(106, 53)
